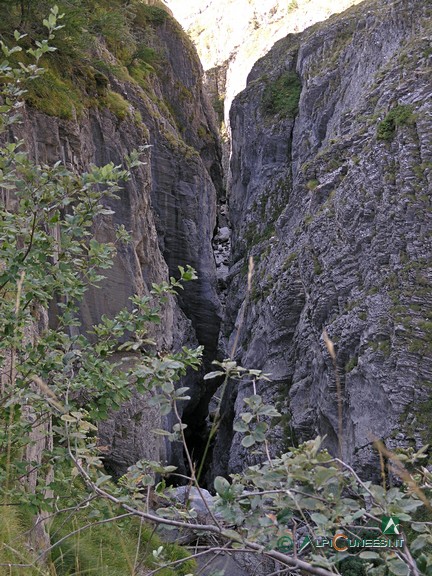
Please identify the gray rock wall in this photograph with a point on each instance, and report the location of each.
(334, 204)
(169, 207)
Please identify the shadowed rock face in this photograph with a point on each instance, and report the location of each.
(169, 206)
(186, 176)
(333, 201)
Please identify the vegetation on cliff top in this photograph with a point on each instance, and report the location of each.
(77, 73)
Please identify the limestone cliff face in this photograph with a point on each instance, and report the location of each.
(331, 195)
(169, 205)
(186, 177)
(230, 35)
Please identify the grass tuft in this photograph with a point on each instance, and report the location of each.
(54, 96)
(116, 104)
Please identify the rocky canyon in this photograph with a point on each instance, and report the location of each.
(277, 155)
(328, 134)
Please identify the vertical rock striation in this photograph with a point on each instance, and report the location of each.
(331, 195)
(169, 205)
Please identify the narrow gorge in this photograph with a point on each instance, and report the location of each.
(195, 191)
(328, 191)
(308, 159)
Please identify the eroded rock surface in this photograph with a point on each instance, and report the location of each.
(333, 201)
(169, 207)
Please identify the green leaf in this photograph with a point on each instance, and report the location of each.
(319, 518)
(232, 534)
(165, 409)
(259, 433)
(261, 427)
(419, 543)
(160, 432)
(358, 514)
(422, 564)
(284, 515)
(221, 485)
(324, 474)
(248, 441)
(68, 418)
(168, 387)
(268, 410)
(398, 567)
(409, 505)
(102, 479)
(367, 555)
(419, 527)
(240, 426)
(215, 374)
(147, 480)
(246, 417)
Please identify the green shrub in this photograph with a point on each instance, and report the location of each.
(67, 88)
(147, 55)
(145, 14)
(289, 261)
(317, 268)
(351, 364)
(282, 96)
(401, 115)
(312, 184)
(218, 105)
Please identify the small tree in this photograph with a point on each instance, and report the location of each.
(56, 385)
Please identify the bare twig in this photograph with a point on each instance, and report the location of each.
(351, 470)
(230, 535)
(189, 459)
